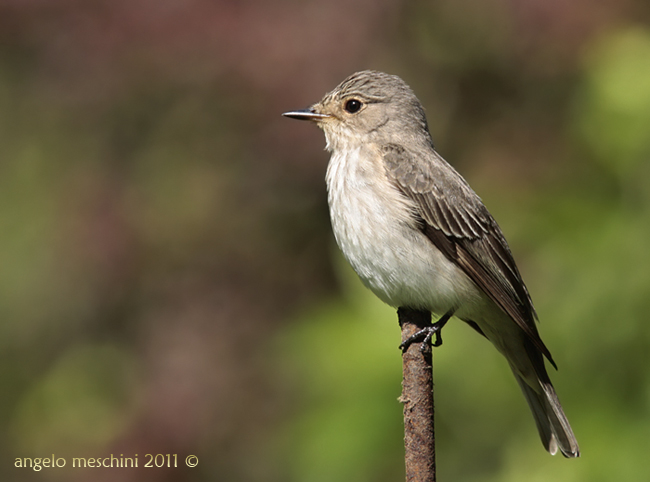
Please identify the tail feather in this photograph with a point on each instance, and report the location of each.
(536, 405)
(552, 424)
(560, 425)
(527, 363)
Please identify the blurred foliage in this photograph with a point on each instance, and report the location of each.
(349, 387)
(168, 278)
(86, 388)
(615, 110)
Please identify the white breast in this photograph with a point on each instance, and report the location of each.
(374, 227)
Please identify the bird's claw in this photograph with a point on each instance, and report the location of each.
(425, 334)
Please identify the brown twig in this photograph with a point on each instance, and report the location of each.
(417, 397)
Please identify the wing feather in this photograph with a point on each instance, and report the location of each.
(457, 223)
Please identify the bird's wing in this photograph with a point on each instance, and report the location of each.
(460, 226)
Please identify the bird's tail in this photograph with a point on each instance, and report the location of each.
(552, 424)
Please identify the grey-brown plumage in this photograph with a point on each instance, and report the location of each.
(420, 238)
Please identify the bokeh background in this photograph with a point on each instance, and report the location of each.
(169, 283)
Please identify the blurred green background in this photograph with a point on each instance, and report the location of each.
(169, 282)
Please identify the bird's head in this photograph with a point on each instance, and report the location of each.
(368, 107)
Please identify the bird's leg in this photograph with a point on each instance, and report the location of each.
(426, 333)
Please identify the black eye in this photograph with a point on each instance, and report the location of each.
(353, 105)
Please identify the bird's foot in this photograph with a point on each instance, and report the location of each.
(426, 333)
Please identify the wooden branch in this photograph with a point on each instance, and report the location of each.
(417, 397)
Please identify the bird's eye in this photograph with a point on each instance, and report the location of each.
(352, 106)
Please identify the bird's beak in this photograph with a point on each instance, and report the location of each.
(306, 114)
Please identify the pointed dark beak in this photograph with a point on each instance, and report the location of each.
(306, 114)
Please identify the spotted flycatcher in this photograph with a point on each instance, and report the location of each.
(420, 238)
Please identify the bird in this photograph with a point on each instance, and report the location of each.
(420, 238)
